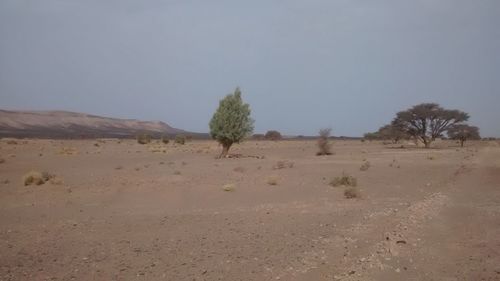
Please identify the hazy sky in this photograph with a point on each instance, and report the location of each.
(302, 65)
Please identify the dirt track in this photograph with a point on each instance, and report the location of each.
(159, 212)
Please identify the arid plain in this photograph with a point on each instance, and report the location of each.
(119, 210)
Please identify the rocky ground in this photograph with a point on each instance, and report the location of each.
(118, 210)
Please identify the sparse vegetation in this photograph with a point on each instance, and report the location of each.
(239, 169)
(273, 135)
(283, 164)
(231, 123)
(177, 173)
(344, 180)
(143, 139)
(272, 180)
(165, 140)
(365, 166)
(2, 160)
(228, 187)
(352, 192)
(180, 139)
(39, 178)
(323, 143)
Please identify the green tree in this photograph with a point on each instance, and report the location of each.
(428, 121)
(231, 123)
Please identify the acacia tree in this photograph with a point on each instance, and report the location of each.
(428, 121)
(273, 135)
(391, 132)
(231, 123)
(463, 132)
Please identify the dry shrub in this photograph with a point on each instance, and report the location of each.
(283, 164)
(119, 167)
(365, 166)
(177, 173)
(37, 178)
(239, 169)
(344, 180)
(165, 140)
(228, 187)
(33, 178)
(272, 180)
(11, 142)
(68, 151)
(2, 160)
(180, 139)
(352, 192)
(143, 139)
(323, 143)
(431, 157)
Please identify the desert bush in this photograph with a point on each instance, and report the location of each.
(272, 181)
(177, 173)
(144, 139)
(283, 164)
(365, 166)
(228, 187)
(239, 169)
(344, 180)
(180, 139)
(11, 142)
(323, 143)
(165, 140)
(273, 135)
(33, 178)
(2, 160)
(352, 192)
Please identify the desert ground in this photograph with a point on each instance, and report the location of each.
(118, 210)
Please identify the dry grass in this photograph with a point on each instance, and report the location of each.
(365, 166)
(239, 169)
(33, 178)
(283, 164)
(228, 187)
(177, 173)
(272, 180)
(352, 192)
(344, 180)
(2, 160)
(39, 178)
(68, 151)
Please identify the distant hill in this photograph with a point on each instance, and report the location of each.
(63, 124)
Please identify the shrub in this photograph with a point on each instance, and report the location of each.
(165, 140)
(228, 187)
(33, 178)
(239, 169)
(180, 139)
(2, 160)
(352, 192)
(365, 166)
(273, 135)
(144, 139)
(323, 143)
(344, 180)
(272, 181)
(283, 164)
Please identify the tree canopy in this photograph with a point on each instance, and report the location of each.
(428, 121)
(463, 132)
(231, 122)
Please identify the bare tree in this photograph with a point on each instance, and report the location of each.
(463, 132)
(428, 121)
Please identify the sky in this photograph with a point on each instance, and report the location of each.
(302, 65)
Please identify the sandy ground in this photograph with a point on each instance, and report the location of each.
(125, 211)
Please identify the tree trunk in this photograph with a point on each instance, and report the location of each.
(427, 143)
(225, 150)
